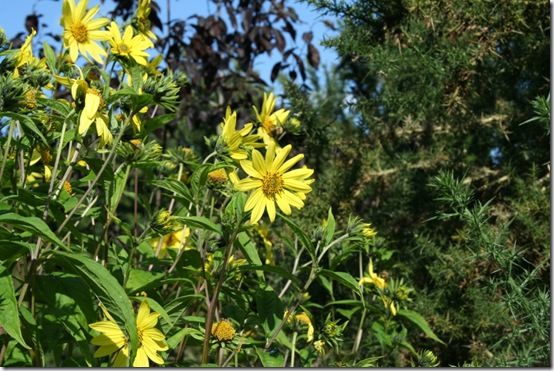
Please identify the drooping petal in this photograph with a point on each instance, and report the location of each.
(283, 204)
(141, 359)
(270, 205)
(255, 198)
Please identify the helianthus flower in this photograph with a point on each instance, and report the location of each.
(271, 121)
(92, 111)
(223, 330)
(129, 46)
(25, 53)
(237, 142)
(81, 31)
(271, 182)
(373, 278)
(302, 318)
(112, 339)
(143, 19)
(151, 339)
(368, 231)
(175, 240)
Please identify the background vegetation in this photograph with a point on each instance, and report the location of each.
(434, 126)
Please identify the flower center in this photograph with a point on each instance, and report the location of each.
(79, 32)
(272, 183)
(123, 48)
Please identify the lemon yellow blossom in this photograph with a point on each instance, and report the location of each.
(175, 240)
(223, 330)
(302, 318)
(81, 31)
(151, 339)
(143, 21)
(271, 121)
(129, 46)
(112, 340)
(373, 278)
(368, 231)
(25, 54)
(271, 182)
(91, 111)
(237, 141)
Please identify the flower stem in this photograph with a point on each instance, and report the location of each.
(215, 295)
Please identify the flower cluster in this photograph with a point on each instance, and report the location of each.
(270, 179)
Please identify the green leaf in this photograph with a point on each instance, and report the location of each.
(27, 122)
(330, 228)
(418, 320)
(182, 193)
(199, 222)
(270, 268)
(9, 314)
(14, 249)
(32, 224)
(116, 188)
(141, 280)
(157, 122)
(249, 250)
(174, 341)
(108, 290)
(306, 241)
(50, 56)
(270, 358)
(343, 278)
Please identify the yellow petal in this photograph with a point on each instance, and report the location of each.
(141, 359)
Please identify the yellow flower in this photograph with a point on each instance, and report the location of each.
(389, 304)
(271, 121)
(151, 339)
(271, 182)
(175, 240)
(223, 330)
(237, 142)
(218, 176)
(81, 32)
(319, 346)
(368, 231)
(112, 339)
(143, 22)
(373, 278)
(91, 113)
(25, 54)
(302, 318)
(129, 46)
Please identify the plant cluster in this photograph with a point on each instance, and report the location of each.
(116, 250)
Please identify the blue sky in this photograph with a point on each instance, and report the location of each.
(12, 19)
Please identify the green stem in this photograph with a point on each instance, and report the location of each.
(215, 295)
(97, 178)
(293, 348)
(7, 149)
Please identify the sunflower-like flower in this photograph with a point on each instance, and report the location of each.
(237, 142)
(175, 240)
(302, 318)
(271, 182)
(223, 330)
(25, 53)
(129, 46)
(143, 23)
(272, 122)
(373, 278)
(368, 231)
(112, 340)
(92, 101)
(81, 31)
